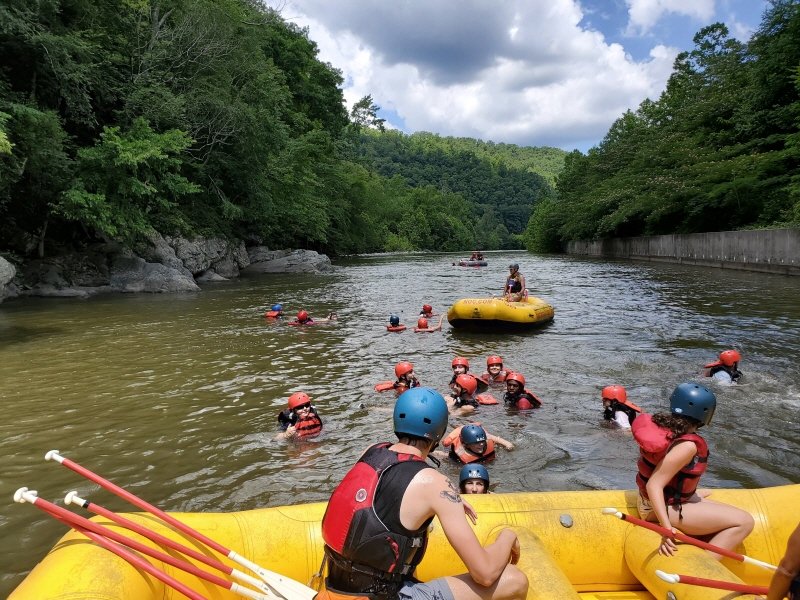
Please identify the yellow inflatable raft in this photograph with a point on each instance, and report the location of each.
(497, 314)
(570, 550)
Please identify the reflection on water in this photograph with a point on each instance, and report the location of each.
(176, 396)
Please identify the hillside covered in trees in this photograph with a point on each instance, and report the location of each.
(719, 150)
(216, 118)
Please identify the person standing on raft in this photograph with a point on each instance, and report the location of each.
(726, 369)
(473, 479)
(517, 396)
(376, 525)
(617, 407)
(423, 326)
(786, 580)
(515, 284)
(301, 420)
(672, 460)
(472, 443)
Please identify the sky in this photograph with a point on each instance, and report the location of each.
(527, 72)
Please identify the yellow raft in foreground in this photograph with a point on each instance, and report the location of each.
(497, 314)
(570, 550)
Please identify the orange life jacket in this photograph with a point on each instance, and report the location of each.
(486, 399)
(654, 443)
(271, 314)
(400, 327)
(453, 441)
(501, 377)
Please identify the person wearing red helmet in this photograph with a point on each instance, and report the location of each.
(300, 420)
(303, 318)
(726, 369)
(427, 311)
(495, 374)
(517, 396)
(460, 366)
(462, 400)
(424, 326)
(405, 376)
(617, 407)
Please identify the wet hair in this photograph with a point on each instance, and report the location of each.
(677, 424)
(407, 438)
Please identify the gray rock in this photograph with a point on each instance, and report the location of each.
(211, 275)
(198, 254)
(137, 275)
(50, 291)
(7, 273)
(263, 254)
(299, 261)
(68, 271)
(157, 250)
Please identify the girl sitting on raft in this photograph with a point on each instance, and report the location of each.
(517, 396)
(617, 407)
(672, 459)
(473, 479)
(427, 311)
(472, 443)
(726, 369)
(495, 374)
(422, 325)
(300, 420)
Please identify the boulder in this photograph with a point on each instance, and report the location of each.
(157, 250)
(137, 275)
(299, 261)
(7, 273)
(211, 275)
(263, 254)
(200, 254)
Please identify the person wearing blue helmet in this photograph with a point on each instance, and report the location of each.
(473, 479)
(275, 312)
(376, 525)
(672, 460)
(472, 443)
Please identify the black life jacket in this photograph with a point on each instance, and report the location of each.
(516, 287)
(367, 548)
(732, 371)
(465, 400)
(608, 413)
(794, 589)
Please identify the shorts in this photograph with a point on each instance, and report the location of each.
(646, 511)
(432, 590)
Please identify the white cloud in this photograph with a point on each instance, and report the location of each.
(644, 14)
(453, 66)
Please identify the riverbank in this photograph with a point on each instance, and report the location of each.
(762, 250)
(159, 264)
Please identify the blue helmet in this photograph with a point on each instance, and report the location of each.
(473, 472)
(421, 412)
(472, 433)
(693, 400)
(394, 320)
(277, 307)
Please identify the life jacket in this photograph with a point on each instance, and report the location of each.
(628, 407)
(306, 322)
(524, 400)
(306, 428)
(654, 444)
(406, 384)
(716, 368)
(272, 314)
(486, 399)
(400, 327)
(465, 400)
(516, 287)
(428, 315)
(368, 553)
(501, 377)
(459, 450)
(794, 589)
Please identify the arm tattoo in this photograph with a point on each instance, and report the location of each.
(451, 494)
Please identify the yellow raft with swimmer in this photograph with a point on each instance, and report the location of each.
(569, 548)
(498, 314)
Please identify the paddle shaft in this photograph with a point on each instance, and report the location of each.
(693, 541)
(723, 585)
(71, 519)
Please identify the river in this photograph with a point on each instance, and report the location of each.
(176, 396)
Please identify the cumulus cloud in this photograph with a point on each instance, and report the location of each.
(518, 71)
(644, 14)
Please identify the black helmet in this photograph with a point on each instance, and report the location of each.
(693, 400)
(514, 266)
(394, 320)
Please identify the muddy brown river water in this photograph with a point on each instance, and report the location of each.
(176, 396)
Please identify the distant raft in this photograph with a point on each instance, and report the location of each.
(471, 263)
(497, 314)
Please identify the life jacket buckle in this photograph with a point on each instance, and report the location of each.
(416, 542)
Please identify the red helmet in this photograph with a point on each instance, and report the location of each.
(467, 382)
(516, 377)
(298, 399)
(402, 368)
(302, 315)
(729, 357)
(427, 308)
(422, 323)
(615, 392)
(460, 361)
(494, 360)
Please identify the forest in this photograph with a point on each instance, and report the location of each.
(718, 150)
(216, 118)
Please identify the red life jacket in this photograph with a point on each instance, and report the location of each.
(654, 443)
(501, 377)
(525, 400)
(366, 555)
(272, 314)
(306, 428)
(453, 441)
(400, 327)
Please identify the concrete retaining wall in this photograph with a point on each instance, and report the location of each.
(764, 250)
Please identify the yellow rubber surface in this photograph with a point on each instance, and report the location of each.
(470, 310)
(599, 556)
